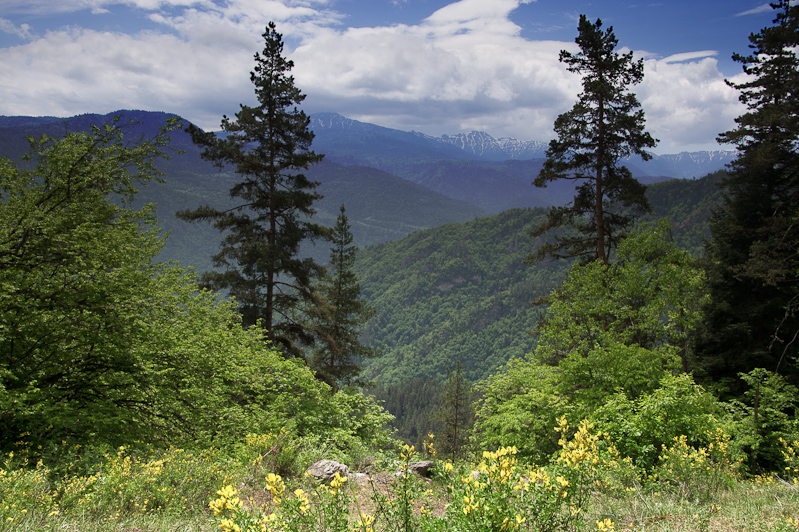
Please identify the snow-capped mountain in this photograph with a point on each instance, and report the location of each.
(344, 138)
(487, 147)
(686, 164)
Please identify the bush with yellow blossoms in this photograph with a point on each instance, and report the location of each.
(698, 472)
(325, 507)
(395, 510)
(590, 462)
(23, 491)
(499, 494)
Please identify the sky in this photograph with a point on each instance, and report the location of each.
(434, 66)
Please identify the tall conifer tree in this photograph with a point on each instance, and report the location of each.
(752, 258)
(268, 146)
(455, 413)
(340, 313)
(605, 125)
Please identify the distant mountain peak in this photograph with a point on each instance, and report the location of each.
(337, 134)
(331, 121)
(484, 146)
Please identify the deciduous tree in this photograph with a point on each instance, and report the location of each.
(74, 271)
(604, 126)
(101, 345)
(626, 325)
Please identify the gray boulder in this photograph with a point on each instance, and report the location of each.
(421, 468)
(327, 469)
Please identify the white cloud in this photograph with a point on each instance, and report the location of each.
(115, 71)
(689, 56)
(200, 72)
(686, 103)
(465, 67)
(23, 30)
(49, 7)
(764, 8)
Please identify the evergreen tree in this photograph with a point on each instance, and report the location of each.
(340, 313)
(605, 125)
(752, 259)
(268, 146)
(455, 414)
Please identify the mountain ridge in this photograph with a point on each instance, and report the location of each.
(481, 146)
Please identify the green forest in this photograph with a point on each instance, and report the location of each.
(180, 348)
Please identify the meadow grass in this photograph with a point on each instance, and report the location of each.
(588, 487)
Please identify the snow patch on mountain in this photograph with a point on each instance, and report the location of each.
(479, 145)
(484, 146)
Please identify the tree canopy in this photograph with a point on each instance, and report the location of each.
(752, 257)
(604, 126)
(268, 147)
(340, 313)
(101, 345)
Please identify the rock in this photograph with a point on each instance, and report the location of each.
(327, 469)
(421, 468)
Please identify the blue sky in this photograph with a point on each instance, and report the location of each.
(435, 66)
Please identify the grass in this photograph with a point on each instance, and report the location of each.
(587, 488)
(747, 506)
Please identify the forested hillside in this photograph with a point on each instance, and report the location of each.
(425, 286)
(381, 207)
(464, 292)
(456, 292)
(688, 204)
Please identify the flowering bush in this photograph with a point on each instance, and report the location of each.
(698, 472)
(287, 510)
(499, 494)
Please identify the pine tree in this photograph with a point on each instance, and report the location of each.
(268, 146)
(752, 259)
(340, 313)
(455, 414)
(605, 125)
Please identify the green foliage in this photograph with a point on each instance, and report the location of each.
(456, 292)
(518, 407)
(455, 413)
(698, 473)
(412, 403)
(100, 346)
(339, 314)
(268, 147)
(206, 366)
(76, 277)
(605, 125)
(588, 485)
(501, 494)
(353, 420)
(752, 261)
(687, 203)
(678, 407)
(767, 416)
(612, 339)
(625, 325)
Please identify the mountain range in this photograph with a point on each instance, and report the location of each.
(356, 142)
(392, 182)
(442, 258)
